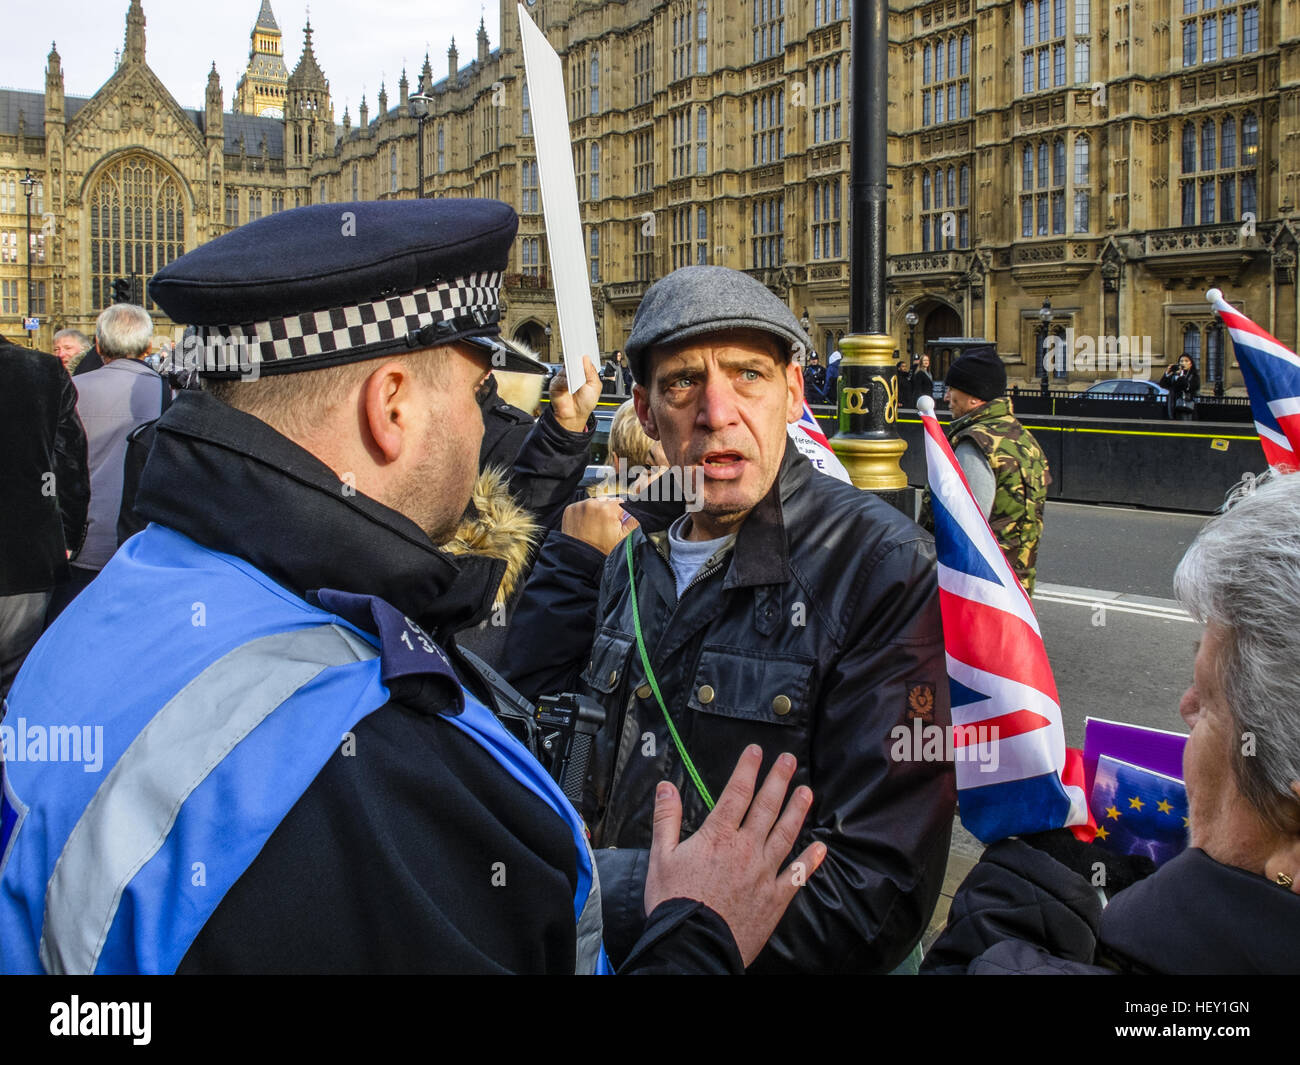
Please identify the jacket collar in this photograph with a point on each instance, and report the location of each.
(994, 408)
(131, 365)
(762, 551)
(232, 483)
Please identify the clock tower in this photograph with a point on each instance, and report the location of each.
(262, 88)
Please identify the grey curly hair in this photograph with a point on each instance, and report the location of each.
(1243, 573)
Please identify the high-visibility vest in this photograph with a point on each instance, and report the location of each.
(180, 708)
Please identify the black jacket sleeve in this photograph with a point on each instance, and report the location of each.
(683, 936)
(1019, 910)
(554, 623)
(71, 469)
(549, 467)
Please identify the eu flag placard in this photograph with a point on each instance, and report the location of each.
(1139, 811)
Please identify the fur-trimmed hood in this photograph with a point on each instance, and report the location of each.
(497, 527)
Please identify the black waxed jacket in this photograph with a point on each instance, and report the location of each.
(45, 476)
(817, 634)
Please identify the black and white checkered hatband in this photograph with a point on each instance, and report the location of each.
(439, 313)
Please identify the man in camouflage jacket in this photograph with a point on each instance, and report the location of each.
(1004, 466)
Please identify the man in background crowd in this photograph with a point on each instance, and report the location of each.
(111, 401)
(44, 489)
(814, 379)
(70, 345)
(1004, 466)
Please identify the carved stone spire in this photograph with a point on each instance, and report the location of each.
(53, 85)
(134, 34)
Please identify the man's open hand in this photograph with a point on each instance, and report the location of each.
(733, 863)
(572, 409)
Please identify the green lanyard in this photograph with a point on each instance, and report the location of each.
(654, 684)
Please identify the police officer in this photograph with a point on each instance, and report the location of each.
(1004, 466)
(272, 755)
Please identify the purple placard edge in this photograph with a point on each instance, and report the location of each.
(1149, 748)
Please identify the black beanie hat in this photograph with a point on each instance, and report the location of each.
(982, 375)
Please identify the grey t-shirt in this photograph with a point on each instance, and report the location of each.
(687, 556)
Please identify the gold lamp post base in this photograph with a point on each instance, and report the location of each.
(868, 442)
(873, 464)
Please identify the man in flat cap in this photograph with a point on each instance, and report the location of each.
(299, 771)
(790, 610)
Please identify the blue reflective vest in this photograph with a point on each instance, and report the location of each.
(128, 749)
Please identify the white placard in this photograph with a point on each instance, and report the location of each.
(564, 238)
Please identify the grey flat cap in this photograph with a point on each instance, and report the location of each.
(697, 300)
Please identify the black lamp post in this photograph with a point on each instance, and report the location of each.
(911, 318)
(1045, 322)
(868, 442)
(419, 102)
(29, 189)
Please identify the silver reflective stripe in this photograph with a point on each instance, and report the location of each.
(591, 927)
(134, 809)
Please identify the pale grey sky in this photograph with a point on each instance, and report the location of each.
(354, 45)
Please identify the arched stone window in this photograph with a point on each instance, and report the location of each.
(137, 224)
(1192, 344)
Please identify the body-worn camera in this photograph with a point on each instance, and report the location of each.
(560, 731)
(568, 725)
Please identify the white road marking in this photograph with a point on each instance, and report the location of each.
(1119, 602)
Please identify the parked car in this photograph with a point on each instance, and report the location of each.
(1124, 387)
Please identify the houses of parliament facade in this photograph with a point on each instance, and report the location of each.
(1104, 163)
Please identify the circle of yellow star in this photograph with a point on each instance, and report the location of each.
(1112, 813)
(1101, 832)
(1135, 803)
(1164, 806)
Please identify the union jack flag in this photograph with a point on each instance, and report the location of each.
(1272, 374)
(811, 441)
(1014, 773)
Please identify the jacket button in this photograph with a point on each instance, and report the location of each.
(613, 676)
(781, 705)
(643, 692)
(705, 694)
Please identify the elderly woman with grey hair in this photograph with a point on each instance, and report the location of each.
(1229, 903)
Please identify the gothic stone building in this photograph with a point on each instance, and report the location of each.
(1112, 160)
(1115, 159)
(128, 179)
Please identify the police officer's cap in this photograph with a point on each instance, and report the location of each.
(334, 283)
